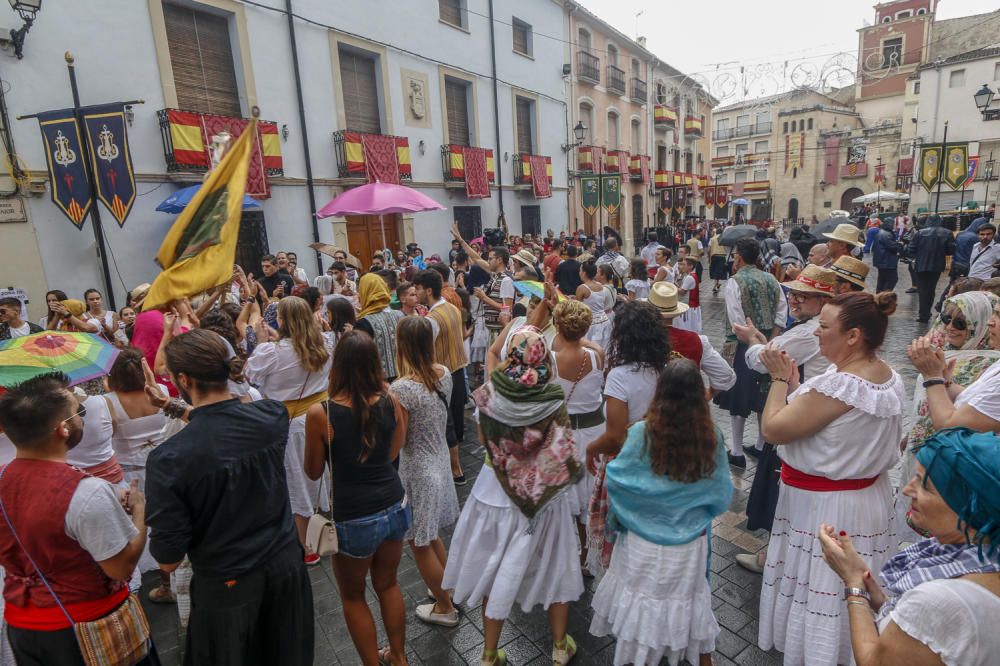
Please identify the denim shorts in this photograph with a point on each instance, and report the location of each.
(361, 537)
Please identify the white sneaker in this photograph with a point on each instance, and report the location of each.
(427, 614)
(749, 562)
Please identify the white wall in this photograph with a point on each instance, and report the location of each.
(113, 43)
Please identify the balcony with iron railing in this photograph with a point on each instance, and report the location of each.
(693, 125)
(616, 80)
(664, 117)
(184, 158)
(638, 90)
(588, 67)
(741, 131)
(522, 168)
(348, 146)
(453, 163)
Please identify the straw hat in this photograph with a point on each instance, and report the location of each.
(525, 257)
(663, 295)
(848, 233)
(853, 270)
(814, 280)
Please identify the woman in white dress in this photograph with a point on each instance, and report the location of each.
(669, 481)
(639, 350)
(837, 435)
(580, 371)
(295, 370)
(107, 320)
(515, 540)
(596, 297)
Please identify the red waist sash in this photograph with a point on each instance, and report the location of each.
(51, 618)
(820, 484)
(109, 470)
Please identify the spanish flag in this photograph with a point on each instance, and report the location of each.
(197, 253)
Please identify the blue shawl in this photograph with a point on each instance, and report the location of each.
(655, 507)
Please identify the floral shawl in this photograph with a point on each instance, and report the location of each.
(525, 425)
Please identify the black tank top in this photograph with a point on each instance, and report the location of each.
(363, 488)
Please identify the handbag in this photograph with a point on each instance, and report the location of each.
(120, 638)
(321, 532)
(450, 435)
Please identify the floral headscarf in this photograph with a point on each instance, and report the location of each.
(526, 427)
(528, 360)
(977, 308)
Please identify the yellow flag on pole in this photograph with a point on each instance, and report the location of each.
(198, 252)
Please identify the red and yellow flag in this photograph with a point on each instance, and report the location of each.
(198, 252)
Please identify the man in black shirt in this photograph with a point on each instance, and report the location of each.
(217, 494)
(568, 272)
(276, 283)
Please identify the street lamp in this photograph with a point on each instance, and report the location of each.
(579, 132)
(983, 98)
(27, 10)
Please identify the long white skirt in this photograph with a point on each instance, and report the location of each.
(600, 334)
(582, 490)
(131, 473)
(656, 601)
(802, 608)
(304, 493)
(492, 553)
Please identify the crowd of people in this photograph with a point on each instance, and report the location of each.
(245, 434)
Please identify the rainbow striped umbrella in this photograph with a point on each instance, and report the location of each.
(534, 288)
(80, 356)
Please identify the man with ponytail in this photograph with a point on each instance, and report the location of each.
(217, 494)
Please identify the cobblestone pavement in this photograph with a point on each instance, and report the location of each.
(526, 636)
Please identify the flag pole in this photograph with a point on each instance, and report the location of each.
(944, 154)
(95, 213)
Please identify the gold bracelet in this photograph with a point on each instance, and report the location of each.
(778, 379)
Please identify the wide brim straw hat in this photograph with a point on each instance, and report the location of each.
(847, 233)
(851, 269)
(525, 257)
(814, 280)
(663, 296)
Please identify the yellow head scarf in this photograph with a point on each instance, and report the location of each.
(75, 307)
(372, 294)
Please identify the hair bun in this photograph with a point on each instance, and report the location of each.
(885, 301)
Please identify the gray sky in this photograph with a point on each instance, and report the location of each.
(777, 42)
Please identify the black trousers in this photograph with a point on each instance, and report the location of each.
(887, 279)
(459, 394)
(926, 284)
(264, 617)
(54, 648)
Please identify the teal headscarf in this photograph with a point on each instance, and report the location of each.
(965, 468)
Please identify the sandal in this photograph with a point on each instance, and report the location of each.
(497, 658)
(385, 656)
(161, 595)
(563, 655)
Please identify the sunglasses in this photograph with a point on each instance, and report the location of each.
(955, 322)
(80, 412)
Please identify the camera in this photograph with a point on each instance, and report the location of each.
(494, 237)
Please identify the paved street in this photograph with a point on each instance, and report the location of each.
(526, 636)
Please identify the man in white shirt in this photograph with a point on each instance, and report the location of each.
(984, 254)
(11, 324)
(648, 251)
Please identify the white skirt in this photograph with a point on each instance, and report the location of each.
(492, 553)
(478, 342)
(582, 490)
(656, 601)
(689, 321)
(304, 493)
(802, 608)
(600, 334)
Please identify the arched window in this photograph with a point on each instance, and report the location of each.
(636, 71)
(809, 124)
(886, 19)
(661, 93)
(583, 39)
(587, 117)
(612, 55)
(637, 147)
(612, 130)
(921, 12)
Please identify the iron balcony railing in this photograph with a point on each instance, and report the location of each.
(616, 80)
(588, 66)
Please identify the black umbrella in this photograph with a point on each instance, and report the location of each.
(828, 225)
(731, 235)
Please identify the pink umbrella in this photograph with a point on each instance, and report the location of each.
(378, 199)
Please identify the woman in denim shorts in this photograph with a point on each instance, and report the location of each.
(359, 432)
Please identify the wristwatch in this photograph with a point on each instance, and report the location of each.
(857, 592)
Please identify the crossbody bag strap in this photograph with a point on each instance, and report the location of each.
(45, 581)
(329, 448)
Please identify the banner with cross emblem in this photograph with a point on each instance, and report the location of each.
(111, 162)
(68, 184)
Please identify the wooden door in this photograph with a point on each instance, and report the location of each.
(364, 236)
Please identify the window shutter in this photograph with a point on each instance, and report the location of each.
(202, 61)
(524, 120)
(520, 38)
(360, 86)
(450, 11)
(457, 102)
